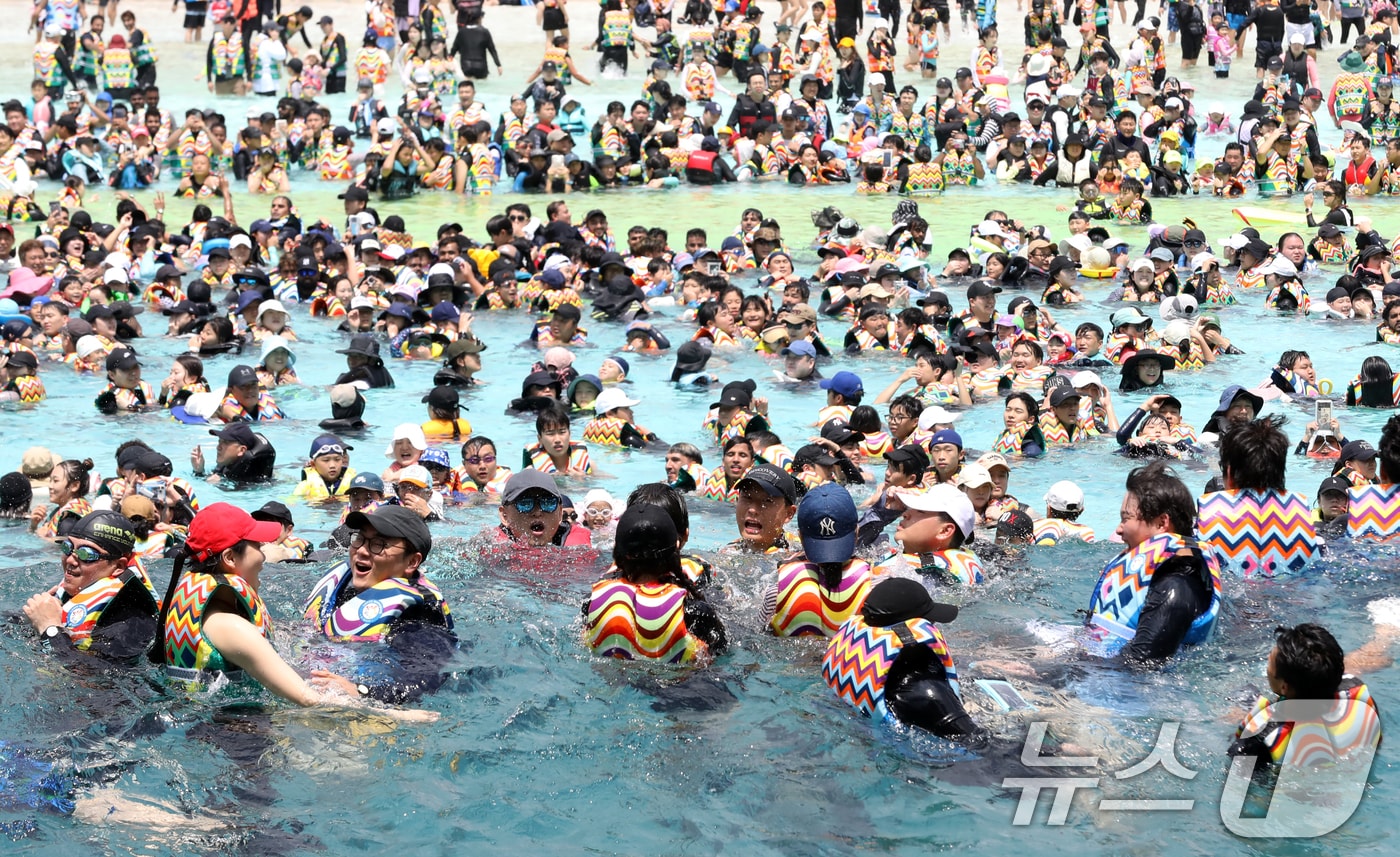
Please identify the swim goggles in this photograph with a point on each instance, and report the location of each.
(84, 553)
(526, 505)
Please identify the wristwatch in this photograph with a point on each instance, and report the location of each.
(51, 632)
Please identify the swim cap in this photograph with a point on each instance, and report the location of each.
(111, 531)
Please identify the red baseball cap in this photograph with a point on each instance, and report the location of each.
(220, 526)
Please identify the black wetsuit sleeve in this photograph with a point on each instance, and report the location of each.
(917, 692)
(422, 652)
(124, 632)
(702, 621)
(724, 171)
(1129, 426)
(1177, 596)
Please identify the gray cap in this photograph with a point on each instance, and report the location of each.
(527, 480)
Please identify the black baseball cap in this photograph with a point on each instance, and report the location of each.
(910, 454)
(443, 398)
(242, 376)
(1334, 483)
(395, 522)
(236, 433)
(122, 358)
(899, 599)
(982, 288)
(813, 454)
(775, 480)
(838, 432)
(1359, 450)
(273, 510)
(355, 193)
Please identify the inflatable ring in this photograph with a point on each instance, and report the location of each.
(1325, 386)
(1099, 273)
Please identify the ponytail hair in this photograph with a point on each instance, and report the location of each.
(79, 473)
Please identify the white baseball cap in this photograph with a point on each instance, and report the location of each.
(1085, 378)
(385, 126)
(416, 474)
(936, 415)
(947, 500)
(974, 476)
(115, 275)
(1065, 496)
(990, 229)
(240, 241)
(1280, 265)
(1200, 260)
(611, 398)
(1236, 241)
(362, 302)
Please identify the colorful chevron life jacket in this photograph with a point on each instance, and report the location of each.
(117, 68)
(617, 29)
(1373, 512)
(371, 614)
(1119, 596)
(640, 621)
(924, 179)
(46, 67)
(806, 608)
(858, 661)
(1259, 533)
(29, 388)
(605, 430)
(189, 656)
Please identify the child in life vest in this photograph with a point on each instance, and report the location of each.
(933, 534)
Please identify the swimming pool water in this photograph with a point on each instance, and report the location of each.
(543, 748)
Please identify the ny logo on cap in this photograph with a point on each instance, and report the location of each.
(828, 526)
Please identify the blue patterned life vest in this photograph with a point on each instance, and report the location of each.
(1121, 592)
(371, 614)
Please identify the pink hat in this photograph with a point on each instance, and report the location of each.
(27, 283)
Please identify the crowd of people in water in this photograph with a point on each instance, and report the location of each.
(966, 327)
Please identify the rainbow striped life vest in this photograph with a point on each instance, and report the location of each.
(805, 608)
(83, 612)
(640, 621)
(1351, 724)
(189, 656)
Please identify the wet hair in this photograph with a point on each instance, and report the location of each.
(76, 472)
(1375, 368)
(1032, 406)
(1310, 659)
(553, 417)
(735, 441)
(706, 312)
(1289, 359)
(476, 444)
(671, 501)
(689, 450)
(1254, 455)
(1159, 492)
(1088, 327)
(864, 419)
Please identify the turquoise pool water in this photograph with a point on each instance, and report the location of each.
(542, 748)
